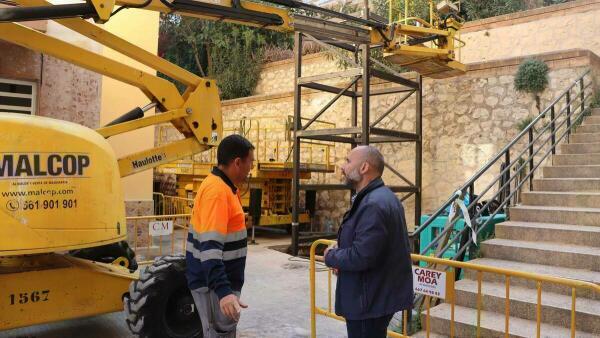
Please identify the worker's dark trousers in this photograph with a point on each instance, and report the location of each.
(368, 328)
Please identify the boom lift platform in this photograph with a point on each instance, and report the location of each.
(63, 253)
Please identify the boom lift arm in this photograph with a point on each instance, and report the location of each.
(197, 113)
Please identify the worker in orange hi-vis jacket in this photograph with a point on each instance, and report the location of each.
(217, 243)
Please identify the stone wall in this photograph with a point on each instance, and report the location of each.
(138, 228)
(65, 91)
(70, 93)
(466, 120)
(549, 29)
(278, 77)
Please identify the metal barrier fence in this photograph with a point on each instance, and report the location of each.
(157, 235)
(171, 205)
(449, 267)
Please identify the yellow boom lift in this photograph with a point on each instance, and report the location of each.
(63, 253)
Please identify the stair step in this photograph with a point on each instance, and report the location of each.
(548, 232)
(556, 308)
(561, 198)
(585, 137)
(588, 128)
(566, 184)
(568, 171)
(557, 271)
(581, 148)
(492, 324)
(554, 214)
(551, 253)
(591, 120)
(576, 159)
(595, 112)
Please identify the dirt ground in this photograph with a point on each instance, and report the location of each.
(276, 290)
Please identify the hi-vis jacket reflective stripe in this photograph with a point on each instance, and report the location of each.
(216, 244)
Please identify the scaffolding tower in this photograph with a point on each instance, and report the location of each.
(336, 37)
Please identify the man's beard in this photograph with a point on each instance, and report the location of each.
(352, 178)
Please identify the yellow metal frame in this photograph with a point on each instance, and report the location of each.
(538, 278)
(45, 288)
(443, 53)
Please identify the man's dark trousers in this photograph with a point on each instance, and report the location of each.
(368, 328)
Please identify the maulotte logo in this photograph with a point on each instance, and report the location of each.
(43, 165)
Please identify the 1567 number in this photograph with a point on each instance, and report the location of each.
(29, 297)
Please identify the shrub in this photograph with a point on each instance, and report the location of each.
(532, 77)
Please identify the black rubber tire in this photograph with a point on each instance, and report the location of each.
(160, 304)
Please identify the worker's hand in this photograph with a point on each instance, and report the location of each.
(249, 223)
(231, 306)
(335, 271)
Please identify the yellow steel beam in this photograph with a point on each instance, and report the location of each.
(122, 46)
(420, 51)
(141, 123)
(154, 157)
(110, 40)
(402, 30)
(161, 90)
(104, 8)
(420, 31)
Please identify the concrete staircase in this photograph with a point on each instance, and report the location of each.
(555, 231)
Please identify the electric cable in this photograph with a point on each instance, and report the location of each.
(142, 5)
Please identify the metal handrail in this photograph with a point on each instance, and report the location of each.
(581, 114)
(507, 199)
(501, 153)
(511, 178)
(571, 106)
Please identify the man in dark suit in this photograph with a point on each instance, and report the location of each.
(372, 256)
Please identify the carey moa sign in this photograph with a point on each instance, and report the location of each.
(429, 282)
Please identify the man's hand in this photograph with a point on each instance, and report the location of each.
(231, 306)
(329, 248)
(332, 246)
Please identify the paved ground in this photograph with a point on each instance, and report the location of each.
(276, 290)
